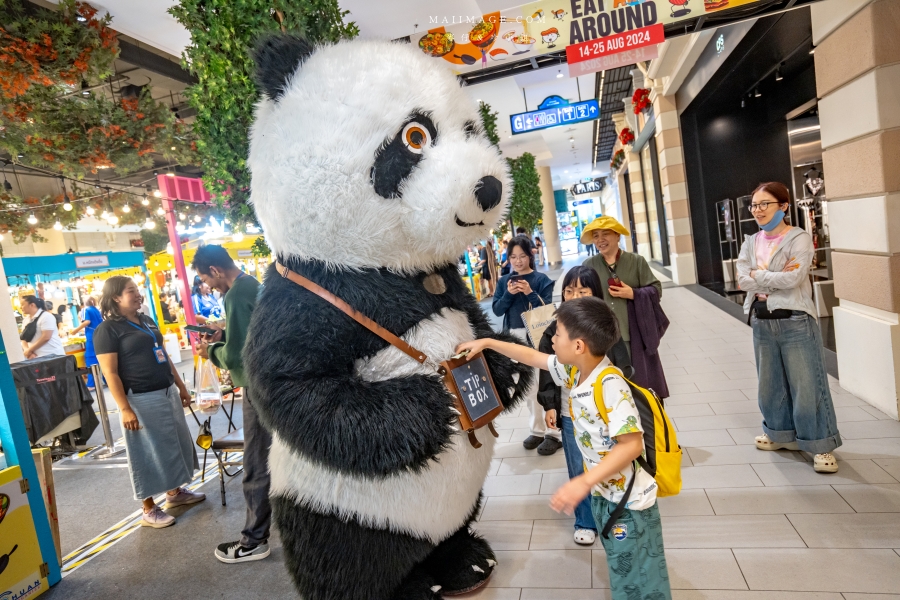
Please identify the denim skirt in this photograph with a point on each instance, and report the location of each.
(161, 454)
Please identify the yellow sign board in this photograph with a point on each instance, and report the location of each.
(21, 574)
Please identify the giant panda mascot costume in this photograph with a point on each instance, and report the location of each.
(371, 174)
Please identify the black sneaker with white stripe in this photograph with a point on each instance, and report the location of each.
(233, 552)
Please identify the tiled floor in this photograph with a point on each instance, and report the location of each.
(748, 524)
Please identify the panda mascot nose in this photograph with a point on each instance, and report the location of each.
(488, 192)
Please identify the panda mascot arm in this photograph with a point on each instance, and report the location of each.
(370, 175)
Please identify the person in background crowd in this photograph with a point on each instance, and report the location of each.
(579, 282)
(167, 317)
(773, 268)
(90, 319)
(521, 231)
(43, 338)
(490, 271)
(218, 271)
(518, 293)
(206, 307)
(539, 250)
(504, 258)
(633, 292)
(151, 398)
(60, 311)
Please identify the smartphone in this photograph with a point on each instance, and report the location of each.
(614, 282)
(516, 277)
(199, 329)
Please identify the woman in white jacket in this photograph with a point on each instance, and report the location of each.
(773, 268)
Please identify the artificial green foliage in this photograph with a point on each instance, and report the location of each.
(222, 34)
(155, 240)
(525, 209)
(260, 248)
(489, 121)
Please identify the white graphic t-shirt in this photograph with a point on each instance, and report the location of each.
(593, 436)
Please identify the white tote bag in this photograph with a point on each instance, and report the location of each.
(537, 320)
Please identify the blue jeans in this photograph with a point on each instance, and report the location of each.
(793, 385)
(584, 519)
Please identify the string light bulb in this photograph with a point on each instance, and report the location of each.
(157, 193)
(238, 237)
(127, 208)
(145, 201)
(32, 220)
(160, 211)
(90, 211)
(182, 216)
(57, 226)
(67, 206)
(149, 223)
(113, 219)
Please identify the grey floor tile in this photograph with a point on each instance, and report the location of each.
(877, 448)
(725, 476)
(519, 508)
(556, 535)
(682, 388)
(735, 595)
(686, 503)
(495, 466)
(717, 422)
(511, 422)
(731, 531)
(851, 471)
(870, 429)
(730, 384)
(831, 570)
(707, 569)
(735, 408)
(695, 377)
(512, 485)
(710, 437)
(519, 434)
(489, 593)
(745, 436)
(704, 398)
(689, 355)
(531, 465)
(505, 535)
(743, 373)
(552, 482)
(876, 413)
(504, 435)
(740, 455)
(820, 499)
(720, 367)
(847, 414)
(871, 498)
(543, 569)
(849, 596)
(711, 335)
(689, 410)
(844, 399)
(686, 364)
(735, 358)
(548, 594)
(512, 449)
(865, 530)
(891, 465)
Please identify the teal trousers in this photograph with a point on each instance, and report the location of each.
(634, 552)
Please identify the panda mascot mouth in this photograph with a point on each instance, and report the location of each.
(370, 175)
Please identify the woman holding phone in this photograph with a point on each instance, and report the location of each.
(517, 293)
(151, 398)
(794, 398)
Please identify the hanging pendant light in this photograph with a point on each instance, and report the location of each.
(57, 226)
(32, 220)
(145, 201)
(160, 211)
(90, 211)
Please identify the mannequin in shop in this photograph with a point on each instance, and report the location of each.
(794, 397)
(633, 292)
(371, 188)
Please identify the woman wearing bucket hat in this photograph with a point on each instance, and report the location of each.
(633, 292)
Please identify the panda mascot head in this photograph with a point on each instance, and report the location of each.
(367, 154)
(370, 174)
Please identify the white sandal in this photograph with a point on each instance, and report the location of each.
(764, 443)
(585, 537)
(825, 463)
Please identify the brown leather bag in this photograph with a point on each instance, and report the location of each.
(467, 379)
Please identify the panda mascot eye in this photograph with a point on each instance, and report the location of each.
(398, 157)
(416, 137)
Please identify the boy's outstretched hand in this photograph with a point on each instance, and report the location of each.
(473, 347)
(570, 495)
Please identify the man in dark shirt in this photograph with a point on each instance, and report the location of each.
(216, 269)
(166, 313)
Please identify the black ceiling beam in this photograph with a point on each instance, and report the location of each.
(150, 61)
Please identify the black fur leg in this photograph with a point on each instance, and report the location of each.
(418, 585)
(461, 563)
(335, 559)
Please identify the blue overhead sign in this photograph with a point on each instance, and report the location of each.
(553, 112)
(581, 202)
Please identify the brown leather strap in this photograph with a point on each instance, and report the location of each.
(352, 313)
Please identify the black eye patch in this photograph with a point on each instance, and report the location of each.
(397, 158)
(471, 129)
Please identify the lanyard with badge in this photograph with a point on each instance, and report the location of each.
(613, 281)
(158, 351)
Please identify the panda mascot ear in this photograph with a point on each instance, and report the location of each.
(277, 58)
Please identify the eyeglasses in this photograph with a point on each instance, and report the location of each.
(760, 206)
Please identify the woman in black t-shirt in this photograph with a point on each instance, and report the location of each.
(151, 397)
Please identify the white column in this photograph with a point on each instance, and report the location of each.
(8, 327)
(551, 226)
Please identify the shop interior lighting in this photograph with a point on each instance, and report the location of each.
(238, 236)
(160, 211)
(756, 93)
(182, 216)
(126, 208)
(157, 194)
(812, 51)
(145, 200)
(32, 220)
(149, 223)
(90, 211)
(778, 76)
(57, 226)
(559, 74)
(67, 206)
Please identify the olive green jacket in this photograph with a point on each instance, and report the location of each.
(633, 270)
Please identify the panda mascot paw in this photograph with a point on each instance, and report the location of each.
(371, 174)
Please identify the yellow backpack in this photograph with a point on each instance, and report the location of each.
(662, 456)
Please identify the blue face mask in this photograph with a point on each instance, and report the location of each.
(777, 218)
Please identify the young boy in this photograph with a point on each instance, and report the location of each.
(586, 330)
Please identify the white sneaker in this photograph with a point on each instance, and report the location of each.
(585, 537)
(183, 496)
(233, 552)
(764, 443)
(825, 463)
(156, 518)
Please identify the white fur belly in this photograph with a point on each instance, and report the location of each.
(431, 504)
